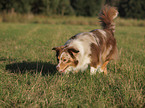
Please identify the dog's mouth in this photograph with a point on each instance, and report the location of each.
(64, 69)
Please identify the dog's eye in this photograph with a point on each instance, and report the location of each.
(64, 60)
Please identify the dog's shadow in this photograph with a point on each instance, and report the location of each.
(46, 68)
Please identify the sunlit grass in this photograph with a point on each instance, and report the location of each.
(69, 20)
(29, 79)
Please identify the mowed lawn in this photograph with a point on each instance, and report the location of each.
(28, 77)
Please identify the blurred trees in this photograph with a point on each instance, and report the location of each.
(127, 8)
(86, 7)
(132, 8)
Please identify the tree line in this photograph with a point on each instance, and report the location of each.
(127, 8)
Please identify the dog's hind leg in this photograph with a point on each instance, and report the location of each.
(104, 67)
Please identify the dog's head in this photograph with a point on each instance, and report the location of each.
(66, 57)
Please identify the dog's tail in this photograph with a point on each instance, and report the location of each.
(106, 16)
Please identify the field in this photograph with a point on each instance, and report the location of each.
(29, 78)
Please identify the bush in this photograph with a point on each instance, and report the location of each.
(132, 9)
(127, 8)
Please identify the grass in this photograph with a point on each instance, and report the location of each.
(29, 79)
(69, 20)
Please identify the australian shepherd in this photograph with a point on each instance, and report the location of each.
(95, 48)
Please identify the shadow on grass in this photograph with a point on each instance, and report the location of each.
(33, 67)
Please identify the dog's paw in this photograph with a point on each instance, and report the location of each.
(93, 71)
(100, 70)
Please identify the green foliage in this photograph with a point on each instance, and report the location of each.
(49, 7)
(20, 6)
(86, 8)
(132, 8)
(127, 8)
(6, 5)
(28, 77)
(38, 6)
(64, 7)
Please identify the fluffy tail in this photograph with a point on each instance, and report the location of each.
(106, 16)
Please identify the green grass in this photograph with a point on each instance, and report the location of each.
(68, 20)
(28, 77)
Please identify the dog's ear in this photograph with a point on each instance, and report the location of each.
(73, 51)
(55, 48)
(58, 48)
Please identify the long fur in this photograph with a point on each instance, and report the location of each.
(106, 16)
(95, 48)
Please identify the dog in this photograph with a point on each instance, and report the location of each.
(95, 48)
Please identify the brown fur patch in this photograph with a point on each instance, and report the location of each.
(100, 36)
(111, 41)
(95, 55)
(106, 17)
(105, 44)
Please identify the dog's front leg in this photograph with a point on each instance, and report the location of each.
(94, 70)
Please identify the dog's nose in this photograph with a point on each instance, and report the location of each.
(57, 67)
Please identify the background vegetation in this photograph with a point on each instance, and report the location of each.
(127, 8)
